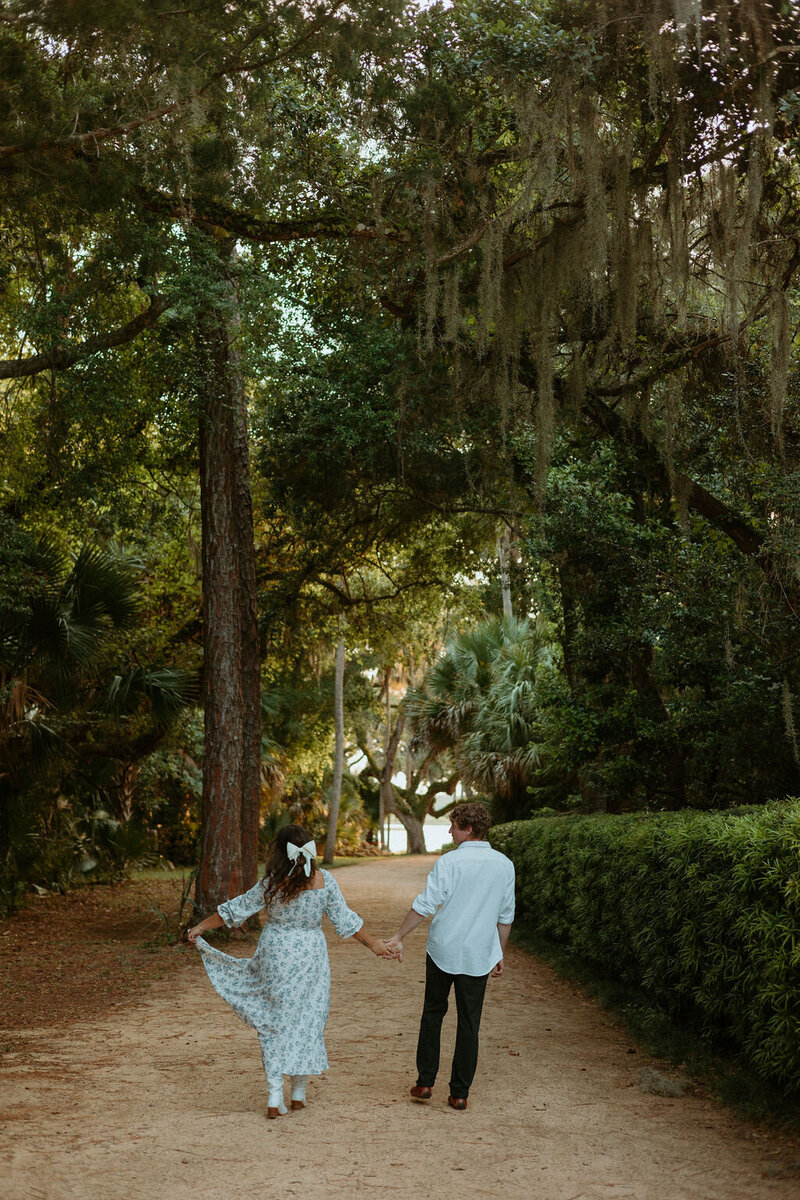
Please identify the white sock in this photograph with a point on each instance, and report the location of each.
(275, 1093)
(298, 1083)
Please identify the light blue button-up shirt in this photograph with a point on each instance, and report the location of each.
(470, 891)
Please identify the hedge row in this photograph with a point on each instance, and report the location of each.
(699, 910)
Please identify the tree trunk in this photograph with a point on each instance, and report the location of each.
(220, 872)
(126, 791)
(413, 828)
(591, 797)
(641, 660)
(338, 762)
(231, 674)
(566, 588)
(383, 837)
(503, 547)
(387, 770)
(250, 648)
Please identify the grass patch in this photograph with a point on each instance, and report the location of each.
(721, 1074)
(162, 871)
(358, 860)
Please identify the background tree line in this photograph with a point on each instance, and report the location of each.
(305, 310)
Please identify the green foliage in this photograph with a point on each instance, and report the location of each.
(59, 846)
(173, 929)
(169, 790)
(73, 729)
(307, 803)
(675, 659)
(480, 701)
(701, 911)
(362, 482)
(477, 246)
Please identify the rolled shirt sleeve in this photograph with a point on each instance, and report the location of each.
(344, 920)
(236, 911)
(433, 894)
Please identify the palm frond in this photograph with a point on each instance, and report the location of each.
(48, 560)
(103, 585)
(168, 691)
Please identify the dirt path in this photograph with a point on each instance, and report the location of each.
(165, 1098)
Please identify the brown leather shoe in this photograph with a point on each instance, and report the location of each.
(420, 1093)
(298, 1104)
(272, 1113)
(457, 1102)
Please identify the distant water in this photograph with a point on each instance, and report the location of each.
(436, 836)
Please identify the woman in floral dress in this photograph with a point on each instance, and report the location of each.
(283, 991)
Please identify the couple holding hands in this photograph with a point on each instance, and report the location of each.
(283, 991)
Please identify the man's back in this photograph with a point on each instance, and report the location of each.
(471, 891)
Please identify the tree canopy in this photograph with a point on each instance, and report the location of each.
(303, 308)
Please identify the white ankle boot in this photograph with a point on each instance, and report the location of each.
(298, 1083)
(276, 1105)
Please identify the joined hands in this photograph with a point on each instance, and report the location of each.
(395, 948)
(387, 949)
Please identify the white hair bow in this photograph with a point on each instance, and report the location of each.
(294, 852)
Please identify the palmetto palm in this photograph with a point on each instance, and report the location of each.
(498, 755)
(479, 703)
(51, 633)
(442, 711)
(51, 639)
(67, 724)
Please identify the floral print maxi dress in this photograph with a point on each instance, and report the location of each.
(283, 991)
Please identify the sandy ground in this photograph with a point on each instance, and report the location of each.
(166, 1098)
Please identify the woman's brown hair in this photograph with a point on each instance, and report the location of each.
(280, 880)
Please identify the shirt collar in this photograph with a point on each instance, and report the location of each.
(470, 842)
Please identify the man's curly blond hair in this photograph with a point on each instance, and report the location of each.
(474, 816)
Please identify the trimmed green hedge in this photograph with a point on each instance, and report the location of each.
(699, 910)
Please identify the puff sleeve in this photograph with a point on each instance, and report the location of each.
(344, 920)
(236, 911)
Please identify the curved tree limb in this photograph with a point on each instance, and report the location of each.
(670, 481)
(67, 355)
(251, 228)
(743, 535)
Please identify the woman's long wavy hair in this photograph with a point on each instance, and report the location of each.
(280, 881)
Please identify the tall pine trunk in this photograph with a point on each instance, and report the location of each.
(391, 744)
(383, 812)
(250, 648)
(231, 667)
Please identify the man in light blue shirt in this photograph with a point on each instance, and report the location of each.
(470, 895)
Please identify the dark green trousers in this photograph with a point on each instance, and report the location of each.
(470, 990)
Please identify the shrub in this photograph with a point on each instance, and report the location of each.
(700, 910)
